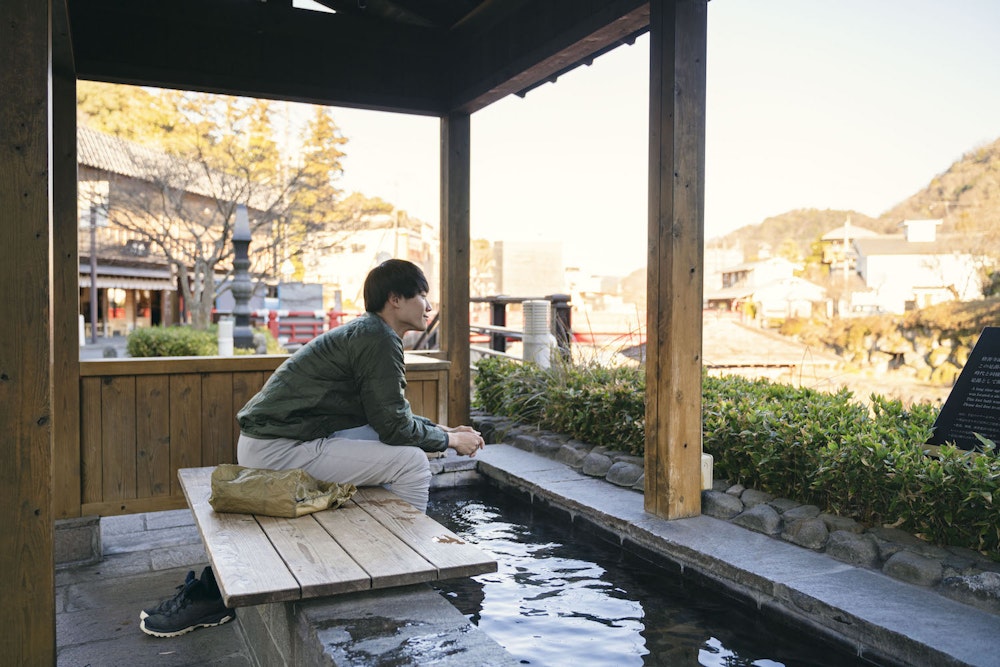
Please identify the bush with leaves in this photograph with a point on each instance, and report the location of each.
(181, 341)
(171, 341)
(827, 449)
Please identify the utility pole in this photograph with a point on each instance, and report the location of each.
(93, 273)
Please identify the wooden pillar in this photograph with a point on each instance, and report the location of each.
(27, 614)
(455, 245)
(65, 274)
(676, 240)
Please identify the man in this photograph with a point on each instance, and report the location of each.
(335, 409)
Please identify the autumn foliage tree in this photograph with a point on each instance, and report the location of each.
(196, 148)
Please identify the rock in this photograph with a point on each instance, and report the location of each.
(753, 497)
(852, 548)
(782, 505)
(720, 505)
(623, 473)
(596, 465)
(720, 484)
(524, 441)
(573, 453)
(913, 568)
(835, 523)
(549, 445)
(980, 590)
(809, 532)
(893, 540)
(736, 490)
(640, 484)
(801, 512)
(760, 518)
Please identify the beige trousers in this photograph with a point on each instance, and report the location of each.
(354, 456)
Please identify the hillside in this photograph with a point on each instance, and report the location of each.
(966, 197)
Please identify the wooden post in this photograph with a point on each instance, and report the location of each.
(65, 275)
(676, 240)
(456, 139)
(27, 614)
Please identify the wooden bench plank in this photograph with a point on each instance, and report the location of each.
(318, 563)
(376, 540)
(246, 565)
(451, 555)
(387, 559)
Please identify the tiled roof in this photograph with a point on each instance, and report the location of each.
(898, 245)
(133, 160)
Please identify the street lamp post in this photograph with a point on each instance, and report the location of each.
(242, 287)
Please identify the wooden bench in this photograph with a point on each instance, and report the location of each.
(376, 540)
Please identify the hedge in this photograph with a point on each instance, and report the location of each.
(827, 449)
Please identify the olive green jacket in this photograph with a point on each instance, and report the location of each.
(347, 377)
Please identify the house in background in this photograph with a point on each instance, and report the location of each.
(915, 269)
(133, 284)
(767, 292)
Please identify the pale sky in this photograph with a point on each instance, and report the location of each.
(852, 104)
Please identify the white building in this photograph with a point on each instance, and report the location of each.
(916, 269)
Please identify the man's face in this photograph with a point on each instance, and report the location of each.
(413, 312)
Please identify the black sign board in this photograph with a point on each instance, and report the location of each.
(973, 406)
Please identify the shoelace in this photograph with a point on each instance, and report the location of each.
(180, 599)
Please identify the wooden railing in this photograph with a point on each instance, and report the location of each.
(143, 419)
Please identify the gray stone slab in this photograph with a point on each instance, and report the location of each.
(411, 625)
(151, 539)
(921, 626)
(191, 556)
(506, 457)
(122, 525)
(169, 519)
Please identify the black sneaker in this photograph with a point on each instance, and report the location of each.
(198, 605)
(165, 604)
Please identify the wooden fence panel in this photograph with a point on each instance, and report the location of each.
(141, 420)
(152, 436)
(118, 437)
(218, 419)
(185, 426)
(92, 463)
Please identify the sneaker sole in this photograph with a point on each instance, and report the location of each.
(184, 631)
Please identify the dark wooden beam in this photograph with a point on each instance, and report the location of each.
(498, 54)
(266, 50)
(27, 615)
(65, 276)
(456, 138)
(676, 263)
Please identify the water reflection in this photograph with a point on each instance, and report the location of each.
(560, 597)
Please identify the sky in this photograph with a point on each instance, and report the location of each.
(853, 104)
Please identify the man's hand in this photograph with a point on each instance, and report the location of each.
(465, 440)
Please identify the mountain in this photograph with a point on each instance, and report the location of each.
(966, 197)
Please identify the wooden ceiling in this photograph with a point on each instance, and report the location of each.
(416, 56)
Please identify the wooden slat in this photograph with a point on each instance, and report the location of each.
(135, 505)
(92, 456)
(185, 421)
(118, 437)
(245, 563)
(218, 420)
(152, 430)
(386, 559)
(450, 554)
(318, 563)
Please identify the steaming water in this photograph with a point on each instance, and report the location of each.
(563, 596)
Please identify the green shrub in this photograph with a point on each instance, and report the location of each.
(171, 341)
(827, 449)
(182, 341)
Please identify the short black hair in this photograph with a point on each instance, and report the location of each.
(393, 276)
